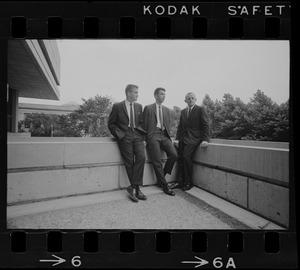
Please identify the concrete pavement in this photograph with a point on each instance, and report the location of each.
(195, 209)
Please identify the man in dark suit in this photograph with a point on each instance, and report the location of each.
(193, 130)
(125, 124)
(157, 125)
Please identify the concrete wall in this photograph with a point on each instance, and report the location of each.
(44, 168)
(254, 176)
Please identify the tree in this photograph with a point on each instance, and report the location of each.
(92, 116)
(208, 103)
(174, 115)
(230, 120)
(67, 127)
(259, 119)
(90, 119)
(270, 121)
(281, 129)
(41, 124)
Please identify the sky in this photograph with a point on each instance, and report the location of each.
(213, 67)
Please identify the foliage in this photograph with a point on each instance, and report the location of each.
(92, 116)
(259, 119)
(90, 119)
(174, 115)
(41, 124)
(231, 118)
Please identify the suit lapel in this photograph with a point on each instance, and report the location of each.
(125, 109)
(164, 113)
(135, 113)
(186, 113)
(154, 110)
(192, 111)
(165, 119)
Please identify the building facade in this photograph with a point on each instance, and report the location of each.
(33, 72)
(27, 108)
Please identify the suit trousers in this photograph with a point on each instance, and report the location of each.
(185, 162)
(133, 153)
(159, 141)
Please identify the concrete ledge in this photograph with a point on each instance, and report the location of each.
(244, 216)
(91, 152)
(47, 152)
(264, 144)
(44, 168)
(266, 162)
(27, 154)
(254, 175)
(269, 200)
(229, 186)
(38, 185)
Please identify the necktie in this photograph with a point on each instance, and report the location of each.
(131, 124)
(161, 118)
(189, 111)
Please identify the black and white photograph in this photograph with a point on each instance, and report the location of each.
(148, 134)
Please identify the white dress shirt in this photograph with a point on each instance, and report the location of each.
(157, 114)
(127, 103)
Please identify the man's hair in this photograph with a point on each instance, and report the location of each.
(156, 91)
(129, 88)
(190, 93)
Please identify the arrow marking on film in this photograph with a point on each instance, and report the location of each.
(200, 262)
(57, 261)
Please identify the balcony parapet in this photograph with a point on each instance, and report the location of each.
(253, 175)
(47, 168)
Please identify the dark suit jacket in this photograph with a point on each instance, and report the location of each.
(195, 128)
(150, 120)
(118, 120)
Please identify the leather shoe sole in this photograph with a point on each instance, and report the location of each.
(162, 186)
(141, 196)
(131, 194)
(169, 192)
(187, 187)
(176, 185)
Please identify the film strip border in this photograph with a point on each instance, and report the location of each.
(190, 20)
(153, 20)
(215, 249)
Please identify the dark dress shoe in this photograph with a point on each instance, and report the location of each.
(176, 185)
(187, 187)
(130, 190)
(140, 195)
(160, 185)
(172, 184)
(168, 191)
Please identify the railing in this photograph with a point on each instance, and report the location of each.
(47, 168)
(253, 175)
